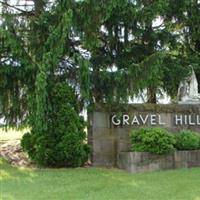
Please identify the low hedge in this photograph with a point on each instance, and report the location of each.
(154, 140)
(160, 141)
(187, 140)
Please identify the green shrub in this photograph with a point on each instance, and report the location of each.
(187, 140)
(154, 140)
(62, 144)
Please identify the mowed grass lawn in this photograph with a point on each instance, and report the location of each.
(97, 184)
(94, 183)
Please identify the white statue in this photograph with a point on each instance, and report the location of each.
(193, 89)
(188, 90)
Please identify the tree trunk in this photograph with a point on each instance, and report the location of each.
(151, 96)
(39, 6)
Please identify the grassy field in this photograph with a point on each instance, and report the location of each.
(97, 184)
(94, 183)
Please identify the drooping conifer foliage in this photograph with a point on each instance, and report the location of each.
(131, 46)
(38, 62)
(134, 45)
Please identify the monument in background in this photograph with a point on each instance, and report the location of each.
(188, 90)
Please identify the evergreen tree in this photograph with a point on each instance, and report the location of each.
(38, 54)
(36, 47)
(62, 143)
(191, 33)
(129, 51)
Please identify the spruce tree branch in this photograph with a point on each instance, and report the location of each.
(18, 9)
(20, 42)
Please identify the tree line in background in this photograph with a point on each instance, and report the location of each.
(91, 52)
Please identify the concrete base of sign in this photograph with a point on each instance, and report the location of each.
(143, 162)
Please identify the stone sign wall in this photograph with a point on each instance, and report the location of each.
(109, 128)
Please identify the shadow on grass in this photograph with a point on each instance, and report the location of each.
(11, 172)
